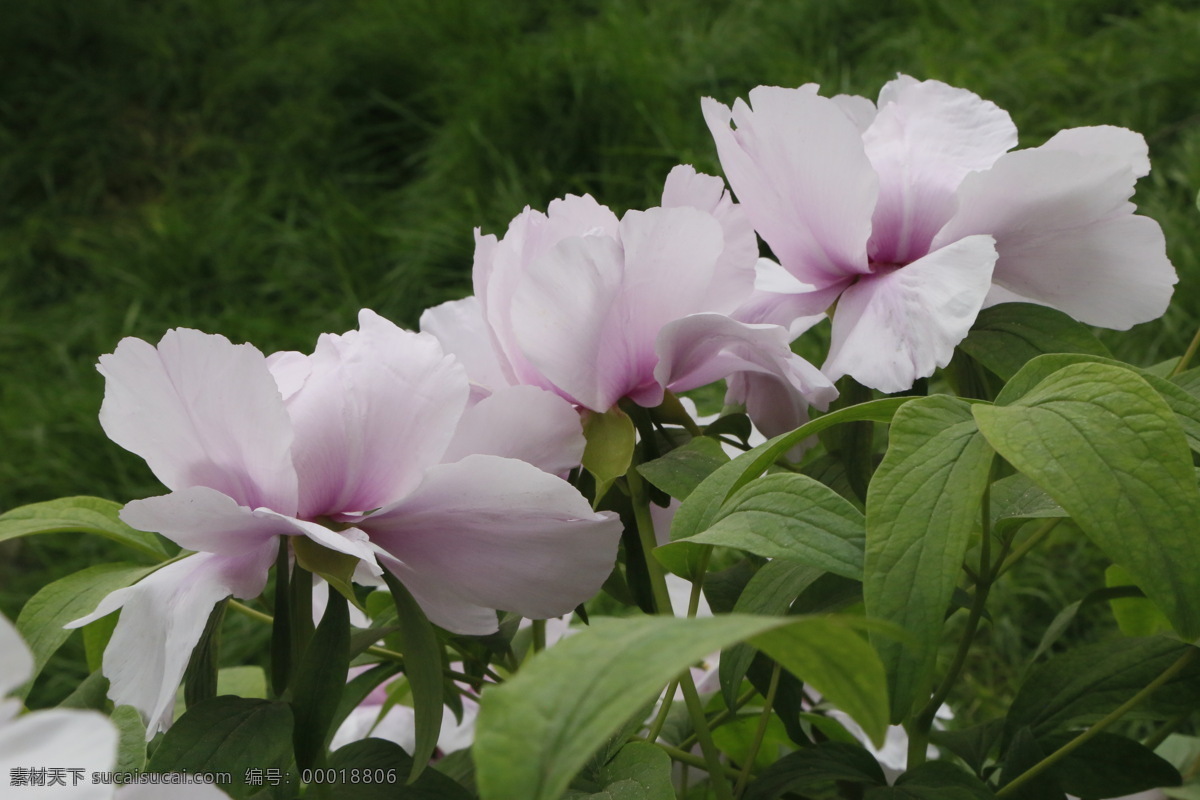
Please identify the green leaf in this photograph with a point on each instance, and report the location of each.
(78, 515)
(247, 681)
(535, 732)
(790, 516)
(388, 761)
(923, 506)
(423, 668)
(704, 504)
(934, 780)
(1107, 448)
(973, 745)
(1109, 766)
(1136, 616)
(131, 739)
(770, 591)
(1016, 499)
(66, 599)
(639, 771)
(200, 678)
(684, 468)
(319, 681)
(91, 693)
(736, 737)
(228, 734)
(1006, 336)
(96, 636)
(1064, 618)
(1023, 753)
(817, 770)
(609, 449)
(1085, 683)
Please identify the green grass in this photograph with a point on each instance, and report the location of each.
(265, 169)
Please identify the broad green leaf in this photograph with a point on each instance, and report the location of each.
(423, 668)
(131, 739)
(1185, 405)
(357, 689)
(703, 505)
(1089, 681)
(535, 732)
(228, 734)
(1109, 766)
(387, 764)
(792, 516)
(609, 449)
(770, 591)
(41, 620)
(1022, 754)
(684, 468)
(817, 770)
(1006, 336)
(96, 636)
(1016, 500)
(1108, 449)
(200, 678)
(91, 693)
(78, 515)
(639, 771)
(319, 681)
(973, 745)
(736, 737)
(933, 780)
(923, 506)
(1136, 616)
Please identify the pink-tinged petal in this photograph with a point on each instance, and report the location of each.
(525, 423)
(444, 604)
(290, 370)
(797, 165)
(460, 327)
(701, 348)
(16, 662)
(896, 326)
(162, 618)
(733, 278)
(587, 313)
(860, 110)
(499, 266)
(1119, 143)
(1067, 236)
(202, 412)
(379, 406)
(925, 139)
(774, 405)
(780, 298)
(205, 520)
(502, 534)
(61, 738)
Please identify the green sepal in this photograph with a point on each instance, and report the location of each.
(608, 453)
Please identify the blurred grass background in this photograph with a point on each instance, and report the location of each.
(264, 169)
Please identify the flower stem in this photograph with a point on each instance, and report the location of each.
(539, 635)
(1186, 358)
(684, 757)
(759, 733)
(1068, 748)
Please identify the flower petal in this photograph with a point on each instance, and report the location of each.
(16, 662)
(205, 520)
(460, 327)
(501, 534)
(925, 139)
(202, 412)
(894, 327)
(779, 298)
(379, 406)
(797, 165)
(525, 423)
(60, 738)
(1067, 236)
(1120, 143)
(445, 605)
(162, 618)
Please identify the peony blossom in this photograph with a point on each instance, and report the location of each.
(598, 309)
(371, 447)
(912, 215)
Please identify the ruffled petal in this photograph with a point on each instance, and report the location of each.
(1107, 140)
(379, 406)
(733, 278)
(202, 412)
(894, 327)
(797, 165)
(525, 423)
(460, 327)
(1067, 236)
(925, 139)
(500, 534)
(162, 618)
(61, 738)
(779, 298)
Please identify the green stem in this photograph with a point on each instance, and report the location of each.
(684, 757)
(1070, 747)
(662, 602)
(1165, 730)
(663, 710)
(759, 733)
(1186, 358)
(252, 613)
(1033, 541)
(539, 635)
(719, 719)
